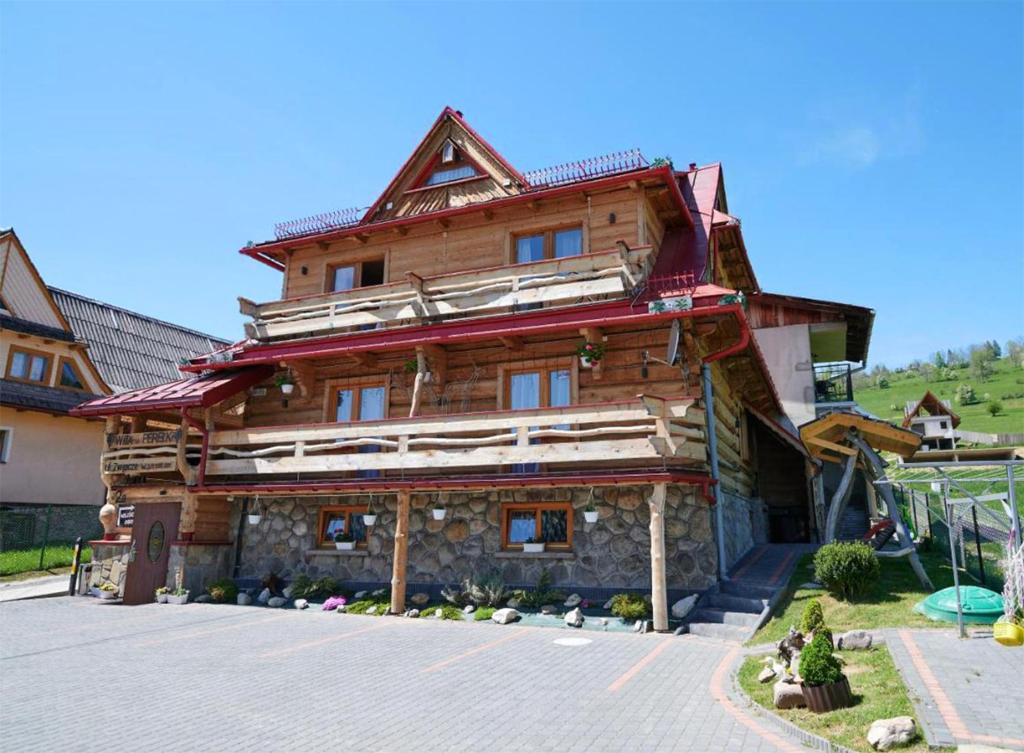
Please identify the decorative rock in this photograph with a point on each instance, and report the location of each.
(469, 609)
(276, 601)
(372, 610)
(683, 607)
(287, 593)
(767, 675)
(359, 595)
(607, 605)
(419, 599)
(340, 609)
(301, 604)
(512, 603)
(890, 733)
(787, 695)
(379, 592)
(204, 599)
(602, 621)
(412, 613)
(573, 601)
(574, 618)
(856, 640)
(244, 599)
(505, 616)
(264, 596)
(549, 609)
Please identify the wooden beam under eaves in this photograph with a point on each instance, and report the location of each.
(366, 360)
(512, 343)
(438, 359)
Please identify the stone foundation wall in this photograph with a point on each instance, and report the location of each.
(612, 553)
(109, 565)
(738, 517)
(201, 564)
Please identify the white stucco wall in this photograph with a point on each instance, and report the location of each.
(787, 351)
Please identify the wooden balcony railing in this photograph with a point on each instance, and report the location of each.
(645, 429)
(148, 452)
(599, 275)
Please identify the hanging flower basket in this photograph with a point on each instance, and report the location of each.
(369, 519)
(254, 518)
(590, 516)
(438, 513)
(590, 354)
(287, 388)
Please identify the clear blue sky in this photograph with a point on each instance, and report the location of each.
(873, 152)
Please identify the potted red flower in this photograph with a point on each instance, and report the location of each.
(590, 354)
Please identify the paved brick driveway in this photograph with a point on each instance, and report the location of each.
(78, 675)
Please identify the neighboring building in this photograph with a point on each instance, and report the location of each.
(429, 353)
(934, 420)
(56, 350)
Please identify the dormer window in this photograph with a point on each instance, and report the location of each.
(447, 176)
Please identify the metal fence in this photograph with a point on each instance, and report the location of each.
(31, 526)
(979, 532)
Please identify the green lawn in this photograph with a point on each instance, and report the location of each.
(878, 693)
(888, 604)
(20, 561)
(1008, 380)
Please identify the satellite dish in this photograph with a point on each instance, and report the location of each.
(673, 343)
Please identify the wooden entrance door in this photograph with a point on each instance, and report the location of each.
(154, 528)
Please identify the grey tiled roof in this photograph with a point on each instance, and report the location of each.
(21, 395)
(29, 327)
(129, 349)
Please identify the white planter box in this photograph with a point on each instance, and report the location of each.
(161, 598)
(99, 593)
(344, 546)
(533, 548)
(172, 599)
(590, 516)
(370, 520)
(439, 513)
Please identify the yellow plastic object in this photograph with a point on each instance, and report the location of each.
(1008, 634)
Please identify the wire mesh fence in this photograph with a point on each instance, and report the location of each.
(980, 532)
(38, 537)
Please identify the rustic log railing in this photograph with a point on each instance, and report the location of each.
(645, 429)
(565, 281)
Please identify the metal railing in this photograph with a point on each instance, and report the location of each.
(319, 223)
(586, 169)
(833, 383)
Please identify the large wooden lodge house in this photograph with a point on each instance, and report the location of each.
(434, 351)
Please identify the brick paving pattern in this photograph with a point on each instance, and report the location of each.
(79, 675)
(964, 691)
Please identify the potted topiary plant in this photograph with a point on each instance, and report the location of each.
(824, 685)
(286, 383)
(344, 541)
(161, 594)
(590, 354)
(590, 513)
(532, 546)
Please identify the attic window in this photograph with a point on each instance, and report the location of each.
(447, 176)
(447, 153)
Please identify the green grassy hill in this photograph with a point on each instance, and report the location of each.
(1005, 385)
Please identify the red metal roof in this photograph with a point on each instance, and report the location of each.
(200, 392)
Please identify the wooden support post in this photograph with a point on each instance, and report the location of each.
(659, 593)
(840, 498)
(183, 467)
(401, 554)
(417, 388)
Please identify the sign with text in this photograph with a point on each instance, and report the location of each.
(140, 465)
(125, 516)
(143, 439)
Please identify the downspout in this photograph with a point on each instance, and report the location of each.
(709, 414)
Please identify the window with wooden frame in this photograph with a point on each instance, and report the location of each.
(68, 375)
(554, 243)
(536, 522)
(337, 519)
(537, 387)
(357, 400)
(355, 274)
(25, 365)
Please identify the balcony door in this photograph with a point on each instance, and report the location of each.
(361, 403)
(542, 388)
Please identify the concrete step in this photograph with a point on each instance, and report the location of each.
(720, 631)
(735, 603)
(746, 590)
(721, 616)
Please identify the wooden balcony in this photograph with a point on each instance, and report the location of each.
(600, 275)
(642, 431)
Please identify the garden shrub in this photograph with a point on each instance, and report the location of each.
(223, 591)
(817, 664)
(813, 617)
(487, 591)
(541, 595)
(483, 613)
(847, 569)
(629, 606)
(303, 587)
